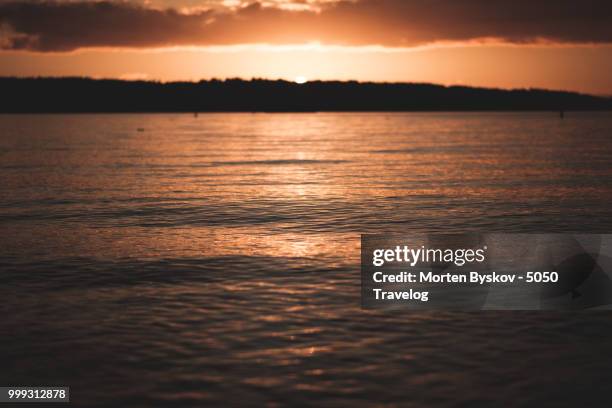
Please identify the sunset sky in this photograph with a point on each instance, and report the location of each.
(556, 44)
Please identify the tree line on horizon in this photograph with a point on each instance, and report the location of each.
(80, 95)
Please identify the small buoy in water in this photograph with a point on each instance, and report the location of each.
(561, 114)
(140, 129)
(195, 114)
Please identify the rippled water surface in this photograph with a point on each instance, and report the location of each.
(213, 260)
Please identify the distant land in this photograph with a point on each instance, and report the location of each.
(80, 95)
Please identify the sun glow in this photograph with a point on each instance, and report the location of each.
(300, 80)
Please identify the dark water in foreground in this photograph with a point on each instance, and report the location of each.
(214, 260)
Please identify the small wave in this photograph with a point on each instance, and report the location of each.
(83, 272)
(275, 162)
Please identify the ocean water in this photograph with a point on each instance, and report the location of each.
(150, 260)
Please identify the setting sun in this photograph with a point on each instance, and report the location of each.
(300, 80)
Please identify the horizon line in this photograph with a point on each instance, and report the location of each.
(294, 82)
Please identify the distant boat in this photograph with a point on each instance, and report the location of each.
(561, 114)
(140, 130)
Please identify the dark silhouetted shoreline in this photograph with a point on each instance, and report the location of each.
(56, 95)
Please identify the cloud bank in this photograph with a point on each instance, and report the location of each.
(69, 25)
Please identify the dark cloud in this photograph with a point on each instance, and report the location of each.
(69, 25)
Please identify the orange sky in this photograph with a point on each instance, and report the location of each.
(473, 42)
